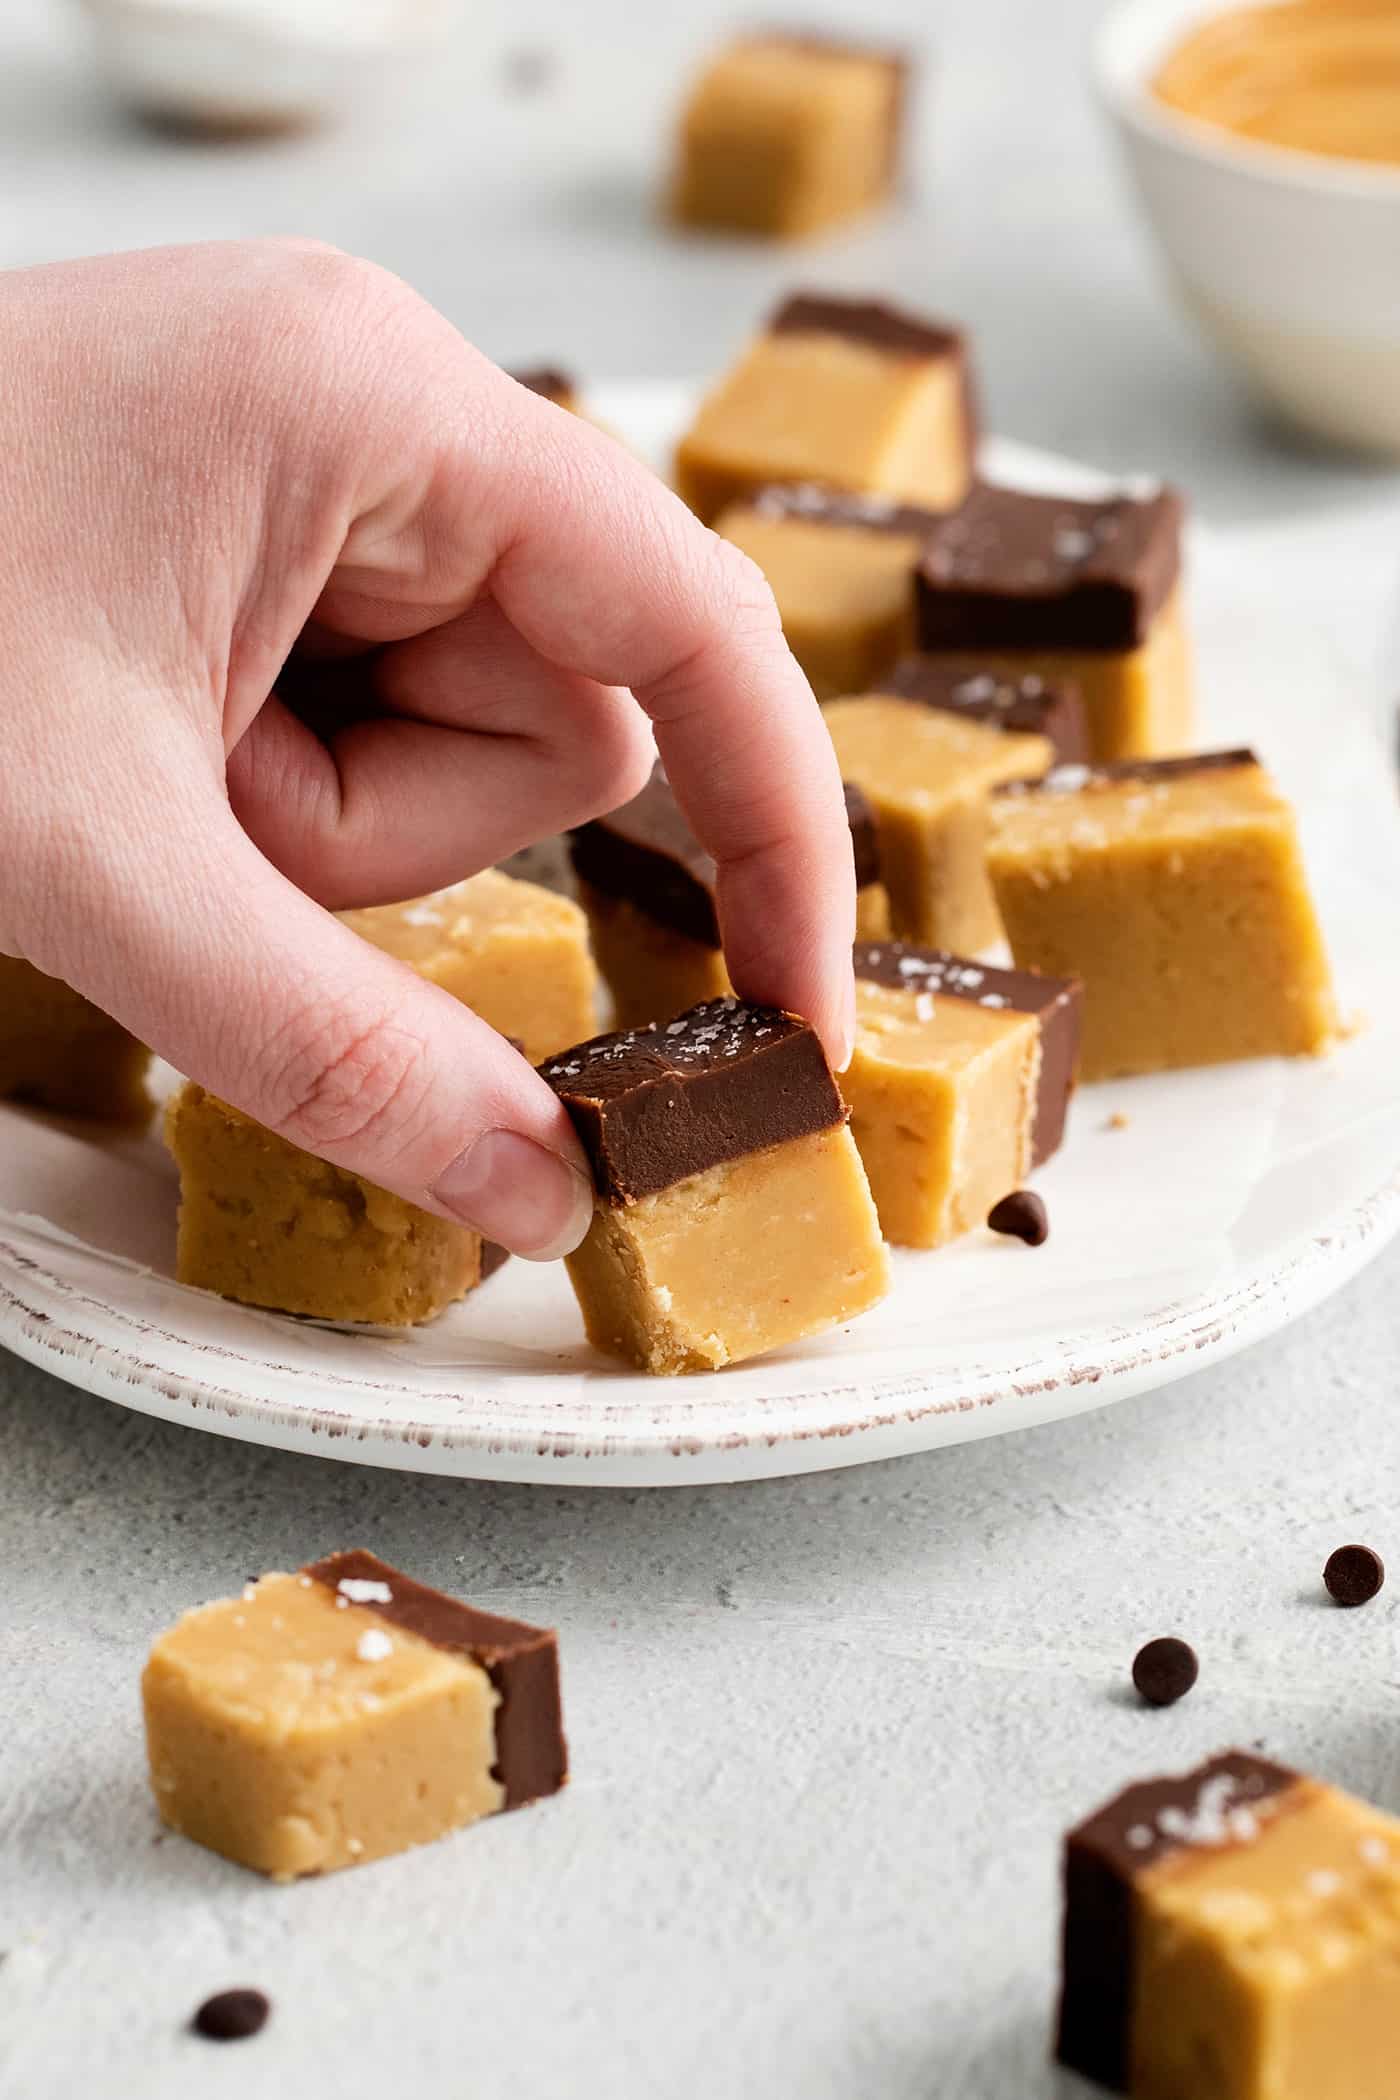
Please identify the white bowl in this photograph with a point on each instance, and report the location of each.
(1290, 261)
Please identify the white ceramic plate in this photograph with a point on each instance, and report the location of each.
(1232, 1201)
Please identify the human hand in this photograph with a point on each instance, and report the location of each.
(217, 454)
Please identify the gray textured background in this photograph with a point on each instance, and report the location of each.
(826, 1732)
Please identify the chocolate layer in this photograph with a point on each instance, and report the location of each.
(1055, 1000)
(868, 321)
(813, 503)
(1021, 701)
(1212, 1806)
(558, 387)
(493, 1257)
(1015, 571)
(654, 1105)
(1077, 779)
(647, 853)
(522, 1662)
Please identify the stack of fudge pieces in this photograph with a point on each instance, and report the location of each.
(1006, 681)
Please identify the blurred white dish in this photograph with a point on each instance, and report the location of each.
(253, 65)
(1231, 1201)
(1291, 261)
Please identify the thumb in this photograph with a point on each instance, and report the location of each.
(240, 981)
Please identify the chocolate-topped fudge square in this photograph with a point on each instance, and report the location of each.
(959, 1085)
(1021, 701)
(59, 1051)
(1087, 592)
(844, 392)
(648, 887)
(1233, 1934)
(842, 571)
(927, 772)
(785, 133)
(733, 1214)
(329, 1718)
(1175, 889)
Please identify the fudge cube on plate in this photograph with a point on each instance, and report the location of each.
(784, 134)
(333, 1717)
(927, 773)
(514, 953)
(59, 1051)
(1020, 701)
(648, 887)
(265, 1223)
(732, 1212)
(1084, 592)
(844, 392)
(1175, 889)
(959, 1084)
(841, 569)
(1233, 1934)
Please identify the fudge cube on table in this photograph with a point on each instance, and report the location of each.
(732, 1211)
(513, 952)
(1021, 702)
(59, 1051)
(927, 773)
(1082, 592)
(648, 887)
(333, 1717)
(1175, 889)
(841, 569)
(1233, 1934)
(264, 1223)
(784, 134)
(959, 1084)
(843, 392)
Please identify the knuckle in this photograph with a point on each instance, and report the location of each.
(335, 1081)
(744, 592)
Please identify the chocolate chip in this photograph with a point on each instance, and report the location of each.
(1353, 1575)
(1023, 1216)
(231, 2016)
(1165, 1670)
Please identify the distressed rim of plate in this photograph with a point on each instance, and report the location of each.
(843, 1425)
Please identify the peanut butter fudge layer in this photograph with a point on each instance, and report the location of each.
(648, 887)
(733, 1214)
(1081, 592)
(841, 568)
(1021, 701)
(927, 773)
(786, 133)
(1175, 890)
(1233, 1934)
(959, 1085)
(267, 1224)
(514, 953)
(842, 392)
(329, 1718)
(61, 1052)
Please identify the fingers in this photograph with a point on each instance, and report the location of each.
(246, 985)
(607, 576)
(487, 748)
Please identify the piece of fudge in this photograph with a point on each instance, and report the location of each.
(1233, 1934)
(558, 387)
(326, 1719)
(514, 953)
(733, 1214)
(1084, 592)
(1175, 889)
(959, 1084)
(1019, 700)
(267, 1224)
(927, 772)
(841, 568)
(784, 134)
(648, 887)
(843, 392)
(61, 1052)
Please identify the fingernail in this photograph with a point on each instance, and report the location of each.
(846, 1036)
(518, 1193)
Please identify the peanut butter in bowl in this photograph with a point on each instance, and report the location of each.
(1312, 76)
